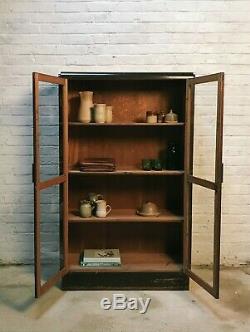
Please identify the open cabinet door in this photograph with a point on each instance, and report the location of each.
(203, 180)
(50, 176)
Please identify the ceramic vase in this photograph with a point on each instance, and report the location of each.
(100, 113)
(86, 104)
(109, 114)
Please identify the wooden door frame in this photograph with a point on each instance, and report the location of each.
(40, 185)
(191, 180)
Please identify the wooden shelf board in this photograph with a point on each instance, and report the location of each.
(178, 124)
(129, 172)
(125, 215)
(137, 262)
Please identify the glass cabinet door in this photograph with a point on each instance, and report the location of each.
(203, 180)
(50, 136)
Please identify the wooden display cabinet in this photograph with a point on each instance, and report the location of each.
(155, 252)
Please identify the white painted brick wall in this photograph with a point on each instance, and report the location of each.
(170, 35)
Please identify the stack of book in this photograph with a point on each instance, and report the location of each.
(100, 258)
(97, 165)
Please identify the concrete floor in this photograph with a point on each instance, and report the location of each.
(80, 311)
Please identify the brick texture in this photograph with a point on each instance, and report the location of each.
(199, 36)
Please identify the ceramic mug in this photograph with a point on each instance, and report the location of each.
(100, 113)
(102, 208)
(151, 117)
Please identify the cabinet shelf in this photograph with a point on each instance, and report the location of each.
(128, 124)
(129, 172)
(126, 215)
(136, 262)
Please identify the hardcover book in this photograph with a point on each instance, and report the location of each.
(100, 257)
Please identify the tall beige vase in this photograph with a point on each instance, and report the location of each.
(86, 104)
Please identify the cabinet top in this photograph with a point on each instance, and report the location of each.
(126, 76)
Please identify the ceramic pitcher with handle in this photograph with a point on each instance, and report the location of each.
(102, 208)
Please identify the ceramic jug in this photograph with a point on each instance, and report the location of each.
(85, 209)
(171, 117)
(102, 208)
(86, 104)
(93, 197)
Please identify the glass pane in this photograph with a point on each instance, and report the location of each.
(205, 116)
(51, 223)
(202, 233)
(49, 117)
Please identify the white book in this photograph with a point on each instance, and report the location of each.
(101, 256)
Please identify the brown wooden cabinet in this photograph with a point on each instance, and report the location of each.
(156, 252)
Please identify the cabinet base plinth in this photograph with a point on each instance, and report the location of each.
(125, 280)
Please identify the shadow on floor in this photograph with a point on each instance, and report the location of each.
(16, 287)
(17, 290)
(234, 298)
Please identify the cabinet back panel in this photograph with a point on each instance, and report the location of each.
(131, 99)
